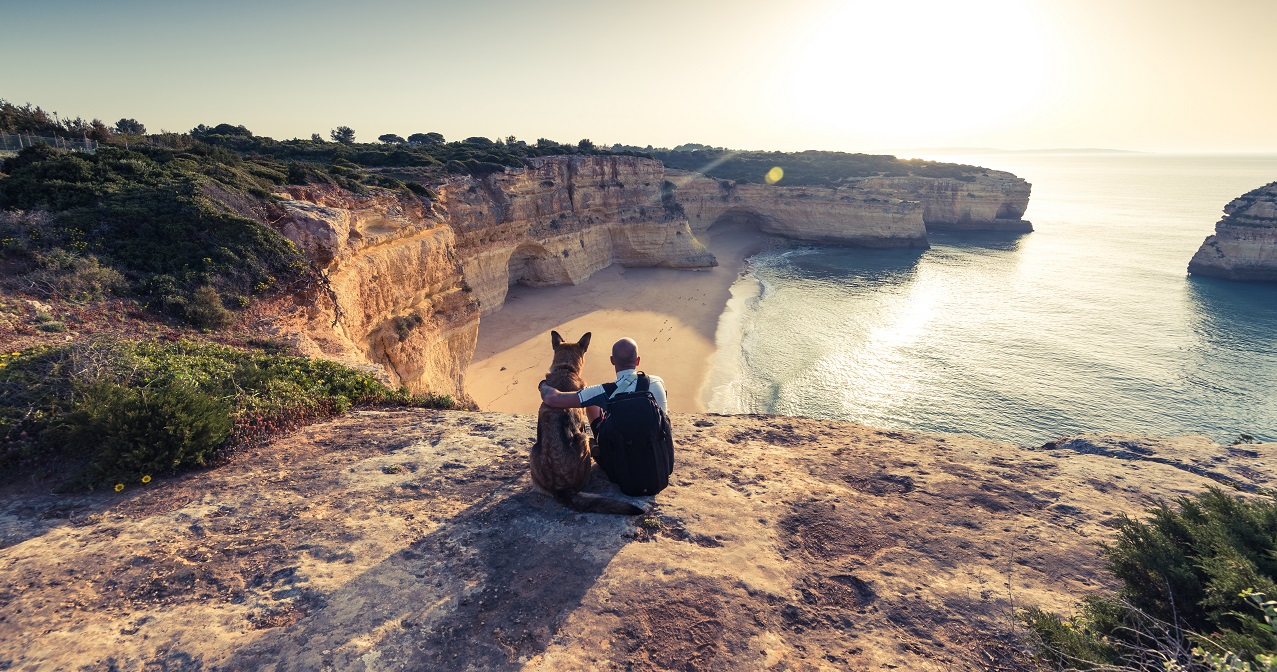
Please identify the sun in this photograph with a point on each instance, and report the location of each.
(918, 68)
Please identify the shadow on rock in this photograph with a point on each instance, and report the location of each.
(487, 590)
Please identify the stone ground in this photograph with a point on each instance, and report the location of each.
(413, 540)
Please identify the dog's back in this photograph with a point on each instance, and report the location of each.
(560, 458)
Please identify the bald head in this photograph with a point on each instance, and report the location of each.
(625, 354)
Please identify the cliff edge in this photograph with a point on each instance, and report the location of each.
(411, 539)
(1244, 246)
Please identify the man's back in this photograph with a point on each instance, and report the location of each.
(626, 381)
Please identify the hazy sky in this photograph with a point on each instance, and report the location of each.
(1158, 75)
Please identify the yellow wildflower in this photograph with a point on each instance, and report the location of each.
(119, 487)
(2, 365)
(15, 354)
(146, 478)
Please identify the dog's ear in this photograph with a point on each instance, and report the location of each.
(555, 339)
(584, 342)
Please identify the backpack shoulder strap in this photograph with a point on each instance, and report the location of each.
(609, 389)
(641, 385)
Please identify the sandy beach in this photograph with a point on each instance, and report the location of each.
(673, 314)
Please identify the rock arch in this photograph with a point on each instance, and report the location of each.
(534, 266)
(738, 218)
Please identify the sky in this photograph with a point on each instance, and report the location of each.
(850, 75)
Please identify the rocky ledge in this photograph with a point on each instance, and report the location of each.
(1244, 246)
(408, 539)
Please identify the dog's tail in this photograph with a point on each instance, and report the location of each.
(587, 502)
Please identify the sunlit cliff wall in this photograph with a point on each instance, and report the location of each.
(1244, 246)
(874, 212)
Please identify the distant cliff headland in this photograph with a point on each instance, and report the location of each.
(1244, 246)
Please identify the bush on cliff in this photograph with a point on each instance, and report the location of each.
(1183, 572)
(168, 221)
(810, 168)
(111, 411)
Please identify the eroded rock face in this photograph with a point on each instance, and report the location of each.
(874, 212)
(395, 302)
(1244, 246)
(562, 219)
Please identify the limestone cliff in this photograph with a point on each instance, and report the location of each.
(394, 299)
(561, 219)
(1244, 246)
(874, 212)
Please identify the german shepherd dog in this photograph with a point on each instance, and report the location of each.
(561, 455)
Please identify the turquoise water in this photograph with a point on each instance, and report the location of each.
(1089, 323)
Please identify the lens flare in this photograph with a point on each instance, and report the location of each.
(774, 175)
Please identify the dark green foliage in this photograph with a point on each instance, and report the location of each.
(124, 433)
(405, 324)
(673, 209)
(343, 134)
(35, 121)
(130, 127)
(169, 221)
(478, 141)
(1186, 567)
(391, 139)
(586, 146)
(54, 400)
(203, 132)
(812, 168)
(205, 309)
(426, 138)
(59, 274)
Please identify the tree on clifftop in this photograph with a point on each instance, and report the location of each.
(426, 138)
(343, 134)
(391, 139)
(130, 127)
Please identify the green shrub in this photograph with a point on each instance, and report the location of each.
(54, 400)
(404, 325)
(1185, 567)
(129, 432)
(205, 309)
(69, 276)
(52, 326)
(167, 220)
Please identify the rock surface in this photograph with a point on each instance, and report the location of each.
(874, 212)
(560, 220)
(408, 539)
(1244, 246)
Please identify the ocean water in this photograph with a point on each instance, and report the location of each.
(1090, 323)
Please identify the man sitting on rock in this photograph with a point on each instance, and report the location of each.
(632, 438)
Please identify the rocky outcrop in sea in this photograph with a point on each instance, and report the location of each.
(1244, 246)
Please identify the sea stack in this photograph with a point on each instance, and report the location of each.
(1244, 246)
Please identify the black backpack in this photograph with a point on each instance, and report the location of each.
(636, 446)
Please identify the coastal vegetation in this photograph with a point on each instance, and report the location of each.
(1188, 574)
(111, 411)
(809, 168)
